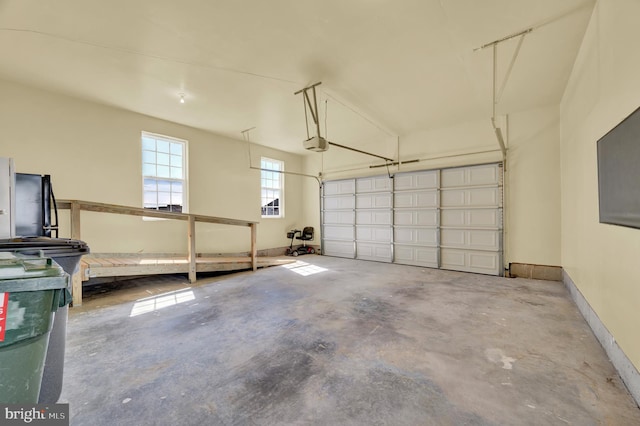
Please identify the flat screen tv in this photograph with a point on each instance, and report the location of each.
(619, 173)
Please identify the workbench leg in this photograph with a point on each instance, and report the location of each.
(76, 288)
(254, 250)
(76, 279)
(191, 236)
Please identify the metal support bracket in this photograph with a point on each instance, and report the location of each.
(313, 107)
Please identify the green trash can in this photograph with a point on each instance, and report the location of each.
(31, 291)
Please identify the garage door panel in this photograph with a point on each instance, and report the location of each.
(338, 248)
(471, 176)
(336, 232)
(416, 217)
(371, 251)
(485, 197)
(373, 217)
(417, 236)
(474, 218)
(473, 239)
(471, 261)
(422, 199)
(416, 180)
(373, 234)
(339, 202)
(373, 201)
(339, 217)
(418, 256)
(475, 197)
(374, 184)
(338, 187)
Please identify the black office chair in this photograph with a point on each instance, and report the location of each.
(305, 235)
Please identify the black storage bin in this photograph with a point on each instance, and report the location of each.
(66, 253)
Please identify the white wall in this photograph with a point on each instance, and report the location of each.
(533, 187)
(93, 153)
(532, 191)
(602, 260)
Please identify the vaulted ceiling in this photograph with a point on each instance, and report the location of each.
(388, 68)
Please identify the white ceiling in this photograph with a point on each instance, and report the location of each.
(388, 67)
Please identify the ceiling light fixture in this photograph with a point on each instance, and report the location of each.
(181, 98)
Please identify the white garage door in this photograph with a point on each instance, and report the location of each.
(374, 200)
(471, 219)
(416, 218)
(338, 218)
(449, 218)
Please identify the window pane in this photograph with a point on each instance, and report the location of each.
(148, 156)
(163, 159)
(149, 169)
(150, 198)
(150, 185)
(163, 146)
(176, 187)
(176, 148)
(176, 198)
(164, 185)
(164, 198)
(176, 161)
(148, 143)
(176, 173)
(163, 171)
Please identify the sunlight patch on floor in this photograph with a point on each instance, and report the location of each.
(161, 301)
(304, 268)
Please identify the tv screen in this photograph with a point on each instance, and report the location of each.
(619, 173)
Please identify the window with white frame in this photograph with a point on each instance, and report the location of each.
(272, 185)
(164, 173)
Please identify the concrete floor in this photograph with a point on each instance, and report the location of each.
(339, 342)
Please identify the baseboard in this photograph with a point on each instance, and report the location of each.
(628, 372)
(536, 272)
